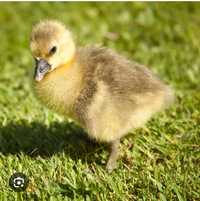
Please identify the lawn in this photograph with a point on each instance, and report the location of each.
(160, 161)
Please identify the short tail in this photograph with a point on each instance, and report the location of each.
(169, 96)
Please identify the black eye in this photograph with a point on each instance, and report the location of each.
(53, 50)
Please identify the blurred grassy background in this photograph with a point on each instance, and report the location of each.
(159, 162)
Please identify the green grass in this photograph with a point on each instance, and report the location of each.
(158, 162)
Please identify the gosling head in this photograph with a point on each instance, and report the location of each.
(52, 46)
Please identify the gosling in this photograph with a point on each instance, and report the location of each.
(105, 93)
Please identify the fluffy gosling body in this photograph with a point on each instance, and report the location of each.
(103, 92)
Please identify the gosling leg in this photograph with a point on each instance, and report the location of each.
(114, 152)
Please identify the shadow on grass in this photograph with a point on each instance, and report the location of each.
(36, 139)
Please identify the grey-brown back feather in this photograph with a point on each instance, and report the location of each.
(123, 78)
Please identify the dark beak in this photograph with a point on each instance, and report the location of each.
(42, 68)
